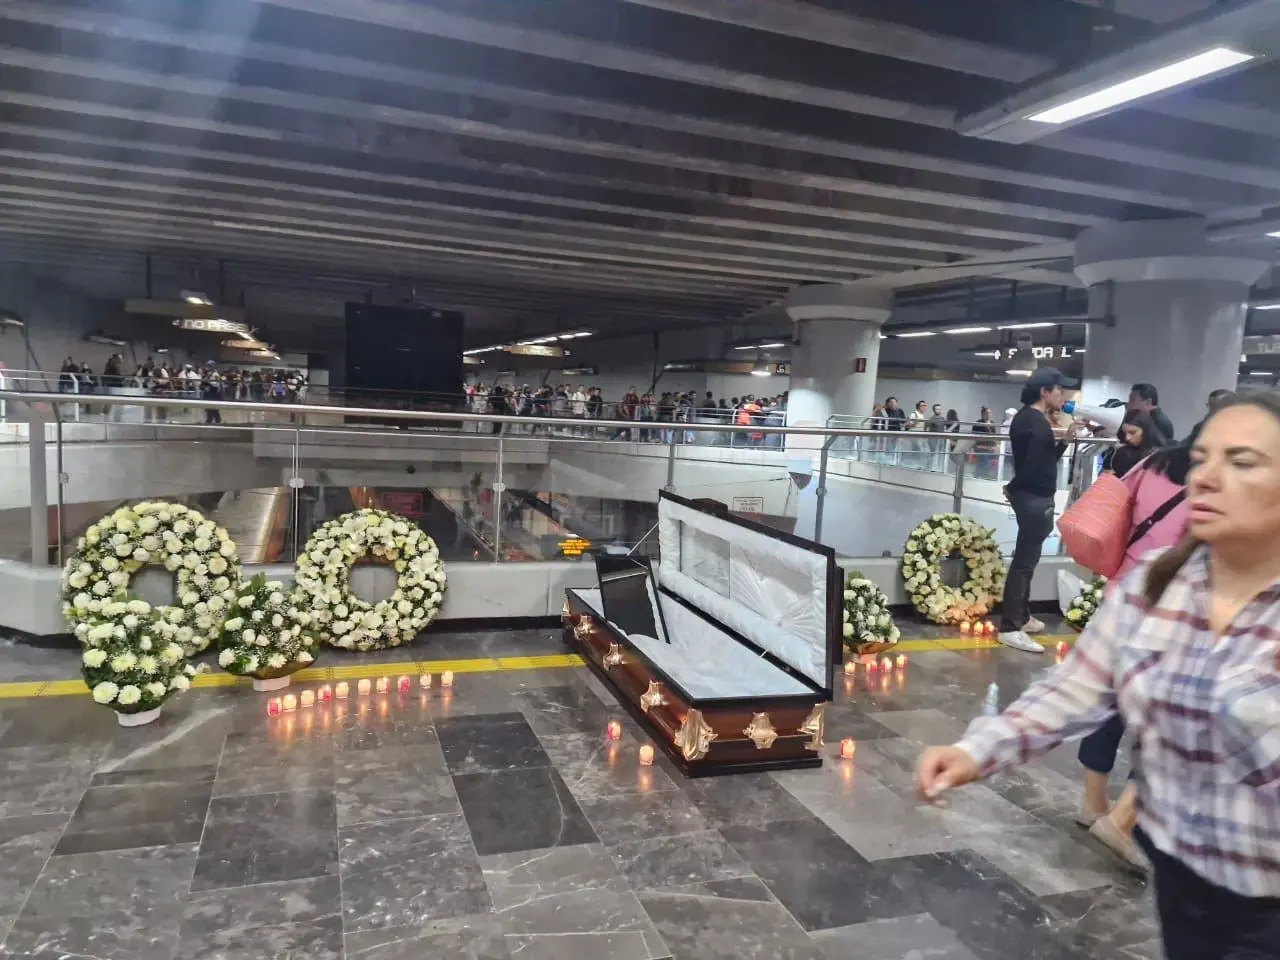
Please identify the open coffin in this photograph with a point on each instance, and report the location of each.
(725, 651)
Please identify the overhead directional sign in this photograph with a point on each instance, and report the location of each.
(211, 325)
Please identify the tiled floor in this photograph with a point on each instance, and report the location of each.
(496, 823)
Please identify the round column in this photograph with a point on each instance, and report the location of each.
(1178, 303)
(837, 352)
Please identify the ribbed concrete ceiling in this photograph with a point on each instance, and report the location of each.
(628, 164)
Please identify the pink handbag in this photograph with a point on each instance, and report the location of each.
(1095, 529)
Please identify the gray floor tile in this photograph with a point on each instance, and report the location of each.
(593, 766)
(478, 937)
(744, 799)
(701, 928)
(1045, 860)
(489, 743)
(659, 863)
(137, 814)
(918, 937)
(404, 873)
(523, 878)
(25, 845)
(297, 918)
(393, 782)
(567, 709)
(521, 810)
(267, 838)
(640, 816)
(586, 925)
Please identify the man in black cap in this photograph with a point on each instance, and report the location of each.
(1036, 452)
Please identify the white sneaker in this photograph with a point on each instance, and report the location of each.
(1019, 640)
(1033, 626)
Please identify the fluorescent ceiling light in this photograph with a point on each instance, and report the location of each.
(916, 334)
(472, 353)
(1038, 325)
(1019, 373)
(196, 298)
(1274, 233)
(1144, 85)
(1267, 305)
(1260, 373)
(960, 331)
(770, 345)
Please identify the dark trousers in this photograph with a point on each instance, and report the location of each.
(1098, 750)
(1202, 921)
(1035, 523)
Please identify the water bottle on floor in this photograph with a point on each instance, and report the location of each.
(991, 702)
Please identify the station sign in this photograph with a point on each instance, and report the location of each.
(574, 547)
(211, 325)
(1047, 352)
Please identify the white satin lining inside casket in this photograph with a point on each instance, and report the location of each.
(704, 660)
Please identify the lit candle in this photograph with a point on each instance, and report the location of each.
(326, 693)
(307, 698)
(847, 748)
(424, 681)
(364, 687)
(646, 756)
(871, 667)
(849, 668)
(965, 627)
(614, 730)
(886, 665)
(902, 660)
(342, 690)
(403, 684)
(1062, 647)
(446, 679)
(273, 707)
(384, 684)
(290, 703)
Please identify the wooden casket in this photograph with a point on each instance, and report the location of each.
(725, 651)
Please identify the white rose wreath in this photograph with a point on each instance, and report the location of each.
(324, 569)
(941, 536)
(199, 552)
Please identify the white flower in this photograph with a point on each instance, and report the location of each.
(305, 657)
(276, 661)
(277, 620)
(148, 664)
(124, 661)
(105, 692)
(228, 549)
(257, 616)
(248, 635)
(246, 600)
(157, 690)
(94, 658)
(226, 658)
(129, 695)
(179, 683)
(172, 653)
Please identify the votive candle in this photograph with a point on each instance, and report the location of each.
(342, 690)
(307, 698)
(290, 703)
(646, 756)
(403, 684)
(446, 679)
(965, 626)
(273, 707)
(326, 693)
(614, 730)
(886, 665)
(424, 681)
(1062, 647)
(871, 667)
(849, 668)
(363, 687)
(384, 684)
(902, 660)
(847, 748)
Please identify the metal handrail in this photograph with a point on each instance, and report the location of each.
(432, 416)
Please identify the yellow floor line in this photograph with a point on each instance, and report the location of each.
(65, 688)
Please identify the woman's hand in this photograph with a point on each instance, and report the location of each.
(942, 768)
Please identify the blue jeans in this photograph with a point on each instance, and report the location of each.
(1098, 750)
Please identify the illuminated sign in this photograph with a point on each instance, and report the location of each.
(212, 325)
(574, 547)
(535, 350)
(1060, 352)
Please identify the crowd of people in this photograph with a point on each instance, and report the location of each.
(667, 417)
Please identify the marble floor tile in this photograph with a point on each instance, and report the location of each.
(523, 878)
(586, 925)
(393, 782)
(476, 694)
(659, 863)
(1115, 923)
(489, 743)
(395, 720)
(39, 780)
(266, 838)
(640, 816)
(1045, 794)
(403, 873)
(271, 746)
(923, 727)
(114, 905)
(240, 776)
(521, 810)
(744, 799)
(706, 928)
(567, 709)
(478, 937)
(77, 721)
(592, 766)
(751, 889)
(186, 735)
(25, 846)
(1045, 860)
(986, 909)
(818, 877)
(297, 918)
(138, 812)
(848, 720)
(918, 937)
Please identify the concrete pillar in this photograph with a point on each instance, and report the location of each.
(1179, 303)
(833, 365)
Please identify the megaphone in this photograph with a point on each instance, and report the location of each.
(1110, 418)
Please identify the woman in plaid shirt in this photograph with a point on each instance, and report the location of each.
(1187, 650)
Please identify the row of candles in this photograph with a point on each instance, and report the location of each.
(885, 665)
(342, 691)
(978, 628)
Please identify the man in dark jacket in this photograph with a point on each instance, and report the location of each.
(1145, 398)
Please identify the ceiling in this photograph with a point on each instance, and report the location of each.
(618, 164)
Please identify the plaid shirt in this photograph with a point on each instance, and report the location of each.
(1206, 711)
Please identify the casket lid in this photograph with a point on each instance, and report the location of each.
(779, 592)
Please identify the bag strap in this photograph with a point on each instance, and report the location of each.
(1162, 511)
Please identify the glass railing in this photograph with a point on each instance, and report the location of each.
(486, 488)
